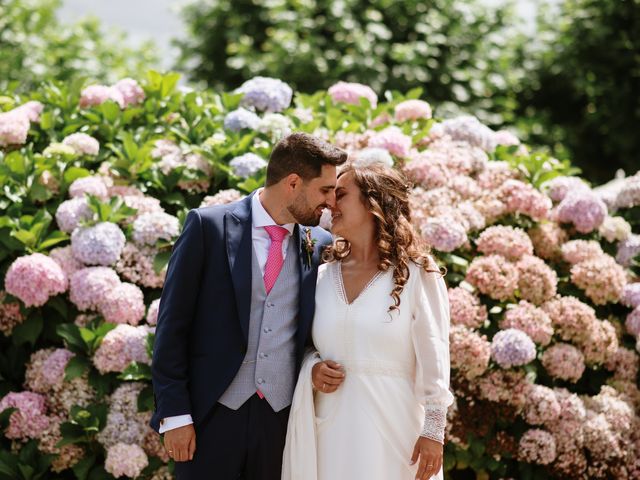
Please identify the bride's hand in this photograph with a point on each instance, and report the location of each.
(430, 453)
(327, 376)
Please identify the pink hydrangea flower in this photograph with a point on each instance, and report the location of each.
(148, 228)
(10, 314)
(542, 406)
(624, 364)
(14, 128)
(470, 352)
(64, 257)
(632, 322)
(123, 304)
(125, 460)
(547, 239)
(100, 244)
(494, 276)
(30, 419)
(571, 318)
(222, 197)
(601, 278)
(512, 243)
(121, 346)
(576, 251)
(87, 287)
(136, 266)
(495, 174)
(444, 233)
(470, 130)
(351, 93)
(537, 446)
(98, 94)
(125, 424)
(152, 313)
(559, 187)
(82, 143)
(71, 212)
(564, 361)
(428, 174)
(93, 185)
(531, 320)
(466, 309)
(393, 140)
(46, 369)
(631, 295)
(506, 138)
(522, 198)
(583, 209)
(615, 229)
(412, 110)
(132, 93)
(601, 344)
(34, 279)
(537, 282)
(31, 110)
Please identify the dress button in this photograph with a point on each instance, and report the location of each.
(260, 381)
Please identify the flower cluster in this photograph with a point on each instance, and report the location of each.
(124, 92)
(247, 165)
(100, 244)
(265, 94)
(15, 124)
(149, 228)
(29, 419)
(121, 346)
(351, 93)
(34, 279)
(512, 347)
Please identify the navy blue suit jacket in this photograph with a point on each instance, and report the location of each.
(203, 319)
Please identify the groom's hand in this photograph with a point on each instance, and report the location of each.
(327, 376)
(180, 443)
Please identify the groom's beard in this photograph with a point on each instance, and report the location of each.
(303, 213)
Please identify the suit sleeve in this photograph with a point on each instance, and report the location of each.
(176, 312)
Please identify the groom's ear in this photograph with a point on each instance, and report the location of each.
(293, 183)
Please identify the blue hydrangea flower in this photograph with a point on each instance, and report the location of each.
(512, 348)
(101, 244)
(266, 94)
(241, 119)
(246, 165)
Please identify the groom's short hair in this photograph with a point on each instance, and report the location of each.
(304, 155)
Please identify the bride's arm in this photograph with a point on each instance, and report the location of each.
(430, 330)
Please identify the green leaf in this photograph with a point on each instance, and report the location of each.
(73, 173)
(29, 330)
(76, 367)
(81, 469)
(136, 371)
(110, 111)
(25, 237)
(160, 261)
(52, 239)
(71, 334)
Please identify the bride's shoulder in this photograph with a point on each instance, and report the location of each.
(426, 269)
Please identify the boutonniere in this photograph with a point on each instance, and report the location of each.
(309, 245)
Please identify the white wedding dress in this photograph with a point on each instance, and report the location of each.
(396, 386)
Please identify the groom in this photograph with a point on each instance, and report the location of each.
(235, 317)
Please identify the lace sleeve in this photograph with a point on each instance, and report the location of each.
(435, 421)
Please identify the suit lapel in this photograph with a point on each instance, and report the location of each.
(239, 244)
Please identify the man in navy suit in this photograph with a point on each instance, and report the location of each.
(235, 317)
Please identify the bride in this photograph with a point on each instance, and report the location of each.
(371, 401)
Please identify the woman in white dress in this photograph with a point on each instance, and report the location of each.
(371, 400)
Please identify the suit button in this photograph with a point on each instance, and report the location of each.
(266, 330)
(263, 355)
(260, 381)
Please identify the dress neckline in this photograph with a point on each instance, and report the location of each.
(342, 293)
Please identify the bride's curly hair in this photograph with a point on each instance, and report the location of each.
(385, 193)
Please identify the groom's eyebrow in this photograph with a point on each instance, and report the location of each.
(328, 187)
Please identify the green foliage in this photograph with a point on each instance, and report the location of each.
(582, 93)
(455, 50)
(36, 47)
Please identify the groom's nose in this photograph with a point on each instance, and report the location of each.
(330, 200)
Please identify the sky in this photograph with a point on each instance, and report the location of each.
(160, 21)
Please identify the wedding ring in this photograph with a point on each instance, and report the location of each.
(430, 465)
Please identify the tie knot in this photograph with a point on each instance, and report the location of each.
(276, 232)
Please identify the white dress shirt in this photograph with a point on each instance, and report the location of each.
(261, 243)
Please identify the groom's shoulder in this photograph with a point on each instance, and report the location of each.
(216, 213)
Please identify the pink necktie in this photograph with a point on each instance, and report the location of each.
(274, 262)
(274, 258)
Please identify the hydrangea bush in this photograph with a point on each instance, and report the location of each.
(97, 180)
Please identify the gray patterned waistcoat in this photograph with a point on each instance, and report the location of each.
(269, 364)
